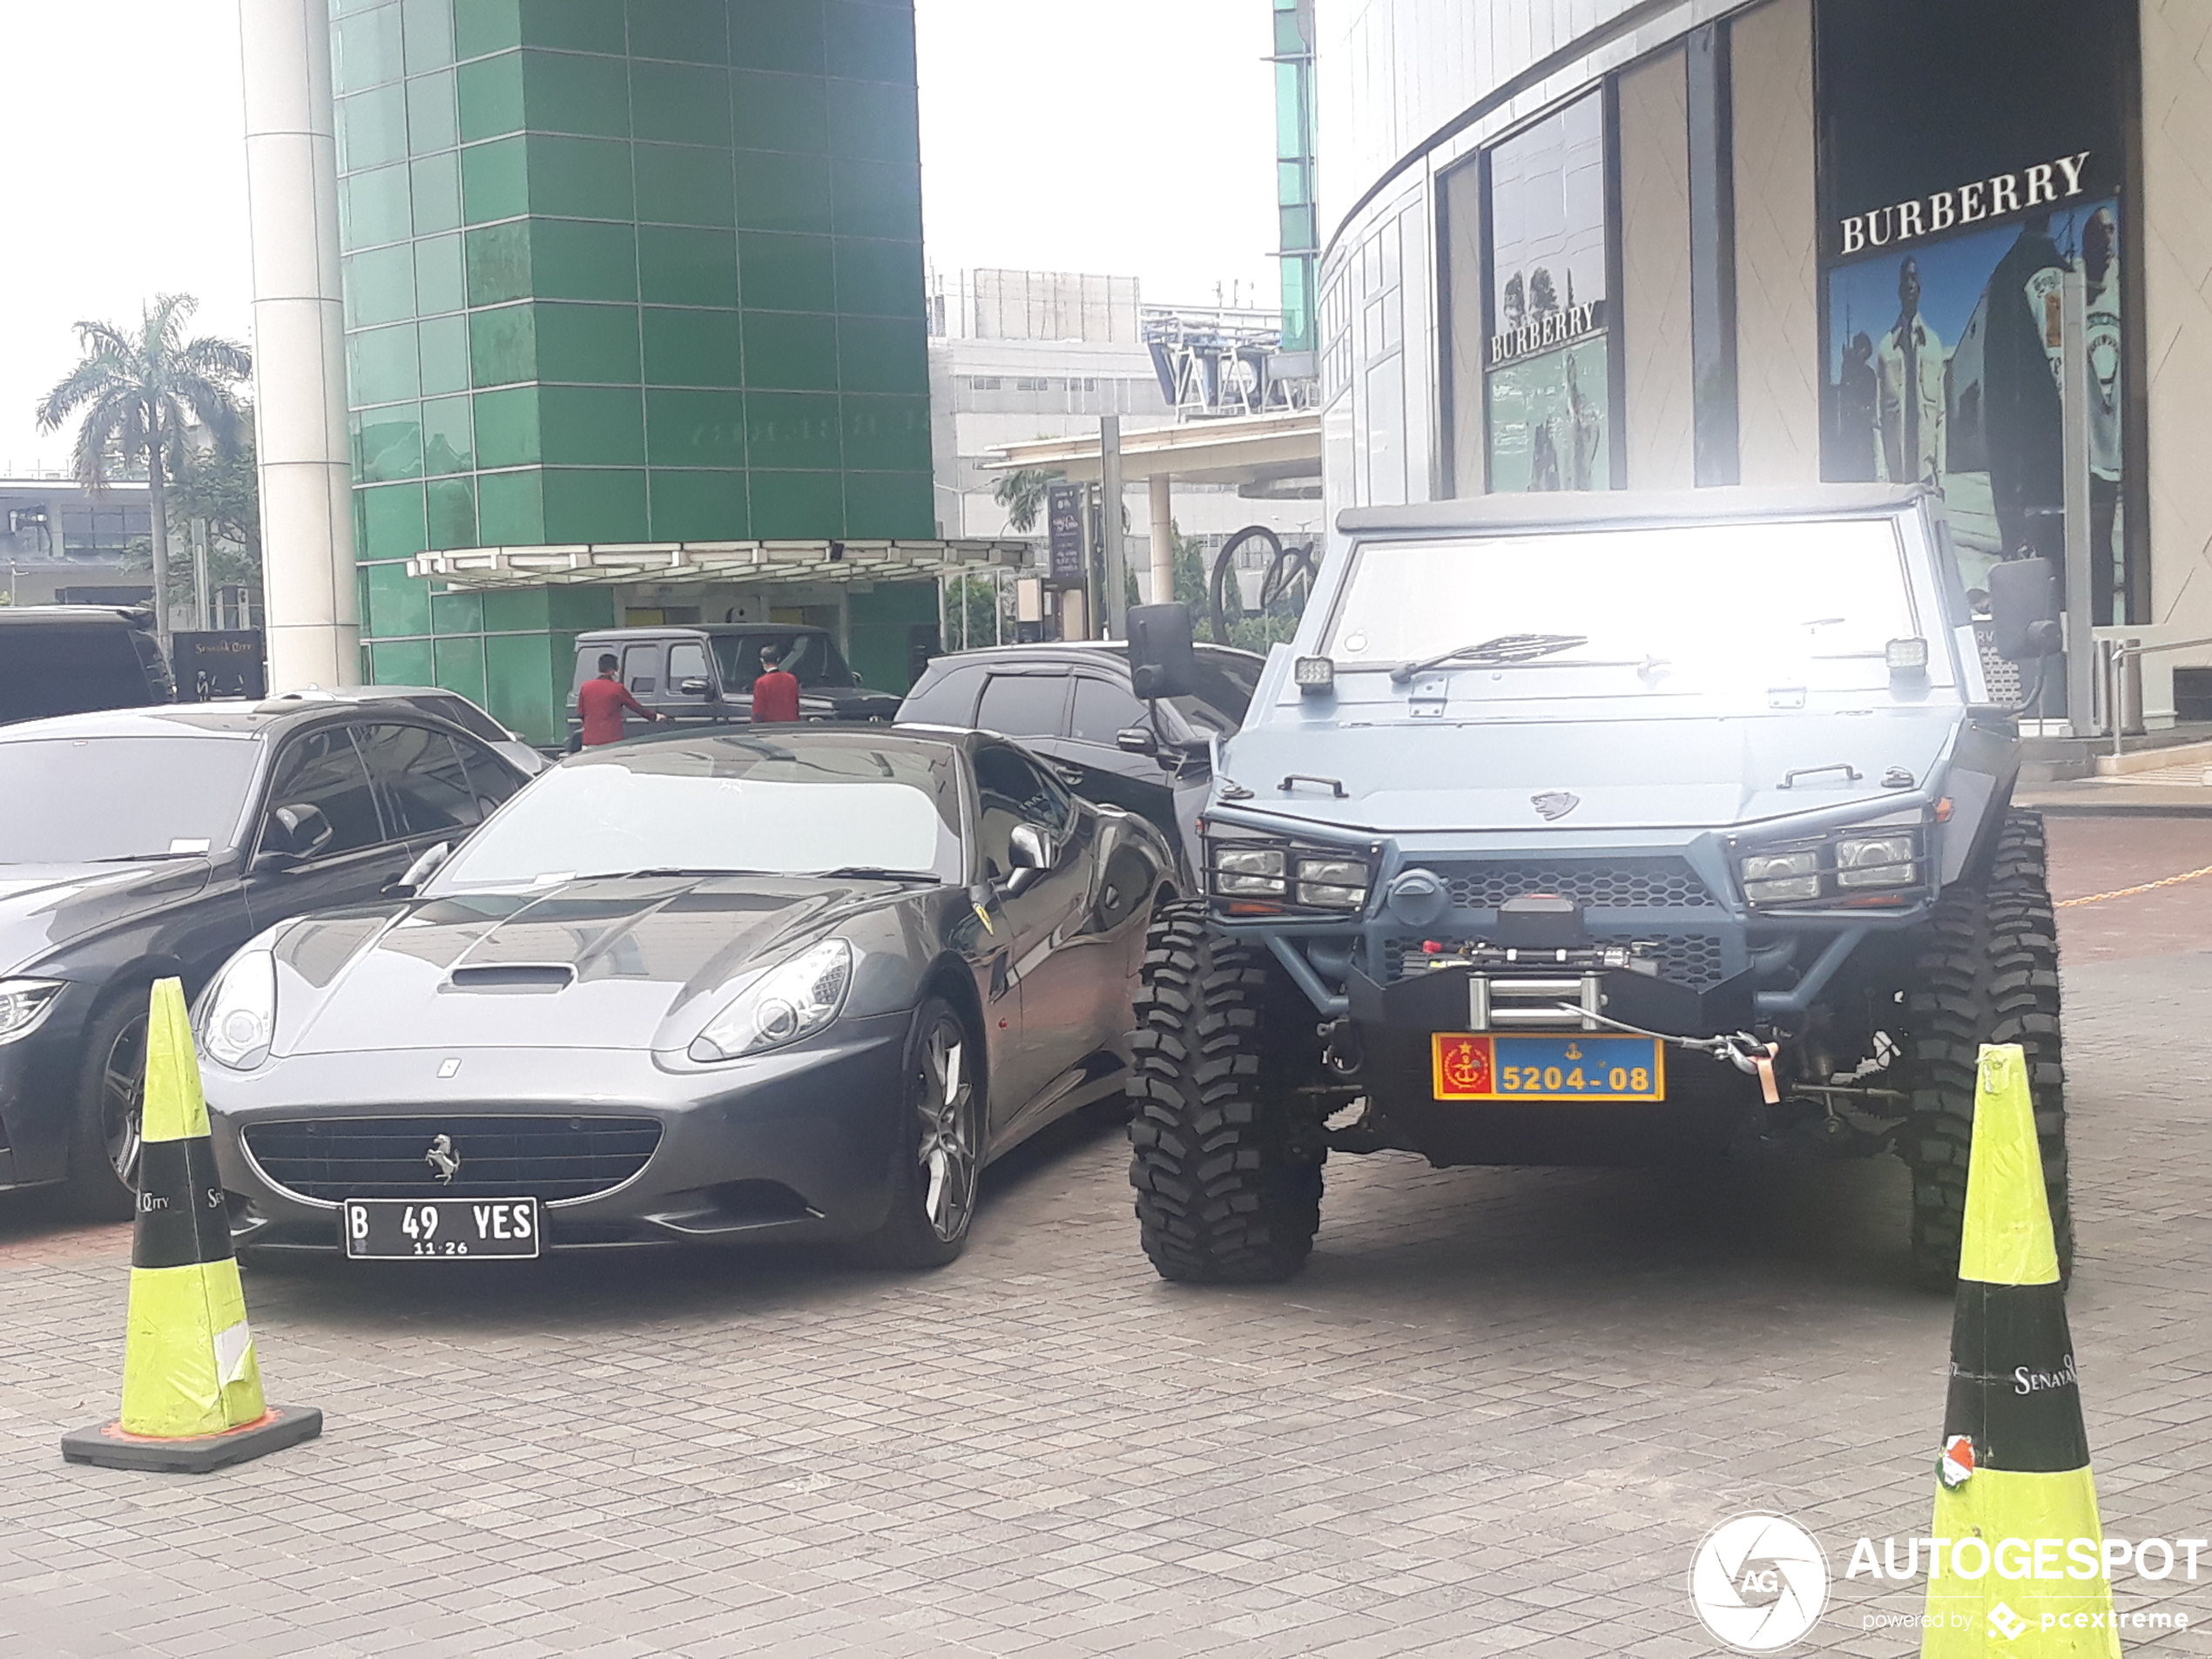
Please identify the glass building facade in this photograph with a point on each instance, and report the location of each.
(1300, 248)
(622, 273)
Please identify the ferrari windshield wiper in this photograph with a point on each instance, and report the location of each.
(670, 869)
(879, 873)
(1504, 649)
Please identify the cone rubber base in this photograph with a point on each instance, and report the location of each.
(109, 1448)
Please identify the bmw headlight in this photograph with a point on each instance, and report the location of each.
(791, 1001)
(238, 1023)
(24, 1003)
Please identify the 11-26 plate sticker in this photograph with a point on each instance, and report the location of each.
(1547, 1067)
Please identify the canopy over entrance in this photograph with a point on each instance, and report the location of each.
(754, 564)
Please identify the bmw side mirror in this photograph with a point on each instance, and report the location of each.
(2024, 609)
(1161, 660)
(294, 834)
(419, 872)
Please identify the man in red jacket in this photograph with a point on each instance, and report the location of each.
(601, 702)
(775, 694)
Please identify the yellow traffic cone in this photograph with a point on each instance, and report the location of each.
(191, 1382)
(2019, 1567)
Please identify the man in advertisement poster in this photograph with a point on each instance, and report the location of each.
(2101, 267)
(2020, 375)
(1911, 406)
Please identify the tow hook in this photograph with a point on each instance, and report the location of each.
(1340, 1052)
(1755, 1059)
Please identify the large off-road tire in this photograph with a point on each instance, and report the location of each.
(1226, 1153)
(1987, 970)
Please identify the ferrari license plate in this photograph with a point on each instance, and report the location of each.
(1548, 1067)
(426, 1229)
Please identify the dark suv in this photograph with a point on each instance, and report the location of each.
(704, 671)
(1071, 703)
(70, 659)
(145, 843)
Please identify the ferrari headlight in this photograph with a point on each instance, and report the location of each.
(239, 1021)
(24, 1003)
(792, 999)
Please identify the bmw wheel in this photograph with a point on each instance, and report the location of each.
(103, 1180)
(938, 1147)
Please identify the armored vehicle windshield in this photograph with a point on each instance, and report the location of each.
(1812, 602)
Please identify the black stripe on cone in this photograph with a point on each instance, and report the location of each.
(182, 1218)
(2013, 1391)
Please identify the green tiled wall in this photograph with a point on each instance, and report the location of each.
(622, 270)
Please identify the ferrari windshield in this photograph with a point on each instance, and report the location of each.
(744, 805)
(1760, 598)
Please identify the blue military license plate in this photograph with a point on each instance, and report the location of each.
(1549, 1067)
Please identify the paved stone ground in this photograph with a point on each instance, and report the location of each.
(1495, 1416)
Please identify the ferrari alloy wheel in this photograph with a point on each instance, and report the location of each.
(939, 1148)
(102, 1179)
(945, 1104)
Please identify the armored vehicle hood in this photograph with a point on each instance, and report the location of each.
(1709, 771)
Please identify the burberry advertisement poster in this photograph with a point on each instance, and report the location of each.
(1972, 157)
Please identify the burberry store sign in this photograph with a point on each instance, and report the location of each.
(2043, 184)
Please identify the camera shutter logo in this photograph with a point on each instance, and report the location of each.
(1758, 1582)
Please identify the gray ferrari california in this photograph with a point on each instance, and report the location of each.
(789, 982)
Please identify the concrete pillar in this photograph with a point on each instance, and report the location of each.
(1163, 537)
(313, 613)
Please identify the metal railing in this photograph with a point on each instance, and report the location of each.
(2118, 656)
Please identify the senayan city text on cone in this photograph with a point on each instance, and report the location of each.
(2015, 1471)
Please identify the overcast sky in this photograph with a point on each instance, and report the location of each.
(1129, 137)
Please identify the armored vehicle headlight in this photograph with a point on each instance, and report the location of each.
(1796, 887)
(1877, 861)
(1774, 866)
(1256, 871)
(1331, 883)
(1350, 873)
(1324, 896)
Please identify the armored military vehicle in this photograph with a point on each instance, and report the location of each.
(1602, 829)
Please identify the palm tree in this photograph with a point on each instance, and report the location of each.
(1022, 493)
(139, 391)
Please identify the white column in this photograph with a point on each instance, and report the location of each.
(1163, 537)
(313, 615)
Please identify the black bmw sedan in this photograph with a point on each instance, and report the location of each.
(142, 843)
(797, 982)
